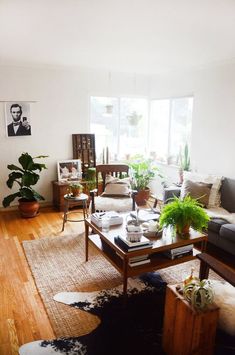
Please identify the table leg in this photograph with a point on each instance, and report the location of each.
(204, 270)
(125, 265)
(66, 207)
(86, 240)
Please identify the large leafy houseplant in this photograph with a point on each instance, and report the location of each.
(142, 171)
(25, 176)
(183, 214)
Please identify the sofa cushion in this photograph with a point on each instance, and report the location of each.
(228, 194)
(216, 181)
(228, 231)
(198, 190)
(215, 224)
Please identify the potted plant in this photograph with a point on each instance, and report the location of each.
(25, 176)
(75, 189)
(142, 170)
(183, 214)
(184, 163)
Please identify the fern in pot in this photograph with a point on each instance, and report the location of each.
(183, 214)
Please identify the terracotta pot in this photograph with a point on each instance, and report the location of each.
(184, 230)
(75, 191)
(142, 196)
(28, 209)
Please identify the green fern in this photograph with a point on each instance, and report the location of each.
(180, 213)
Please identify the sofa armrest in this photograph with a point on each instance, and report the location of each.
(169, 193)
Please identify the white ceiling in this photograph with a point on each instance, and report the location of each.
(140, 36)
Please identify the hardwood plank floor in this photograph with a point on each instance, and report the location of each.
(22, 314)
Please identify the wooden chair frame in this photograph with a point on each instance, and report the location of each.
(116, 170)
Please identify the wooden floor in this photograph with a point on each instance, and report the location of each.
(22, 314)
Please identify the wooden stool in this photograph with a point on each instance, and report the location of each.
(186, 330)
(70, 201)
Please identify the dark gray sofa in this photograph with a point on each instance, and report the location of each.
(220, 232)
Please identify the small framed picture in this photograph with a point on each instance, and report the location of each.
(69, 170)
(17, 116)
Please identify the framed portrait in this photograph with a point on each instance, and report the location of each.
(17, 117)
(69, 170)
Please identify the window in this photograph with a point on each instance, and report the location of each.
(170, 128)
(124, 126)
(119, 124)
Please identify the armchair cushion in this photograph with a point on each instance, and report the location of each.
(115, 187)
(124, 204)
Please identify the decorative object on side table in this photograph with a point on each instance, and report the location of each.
(25, 176)
(75, 189)
(183, 214)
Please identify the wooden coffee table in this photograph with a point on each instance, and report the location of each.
(105, 243)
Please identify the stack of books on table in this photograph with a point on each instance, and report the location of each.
(114, 218)
(179, 252)
(139, 260)
(126, 245)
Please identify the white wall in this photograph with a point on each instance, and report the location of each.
(212, 142)
(61, 109)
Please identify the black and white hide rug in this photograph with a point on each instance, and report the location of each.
(135, 328)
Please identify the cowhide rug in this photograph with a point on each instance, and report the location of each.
(132, 329)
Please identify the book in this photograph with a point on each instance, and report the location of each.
(145, 215)
(141, 262)
(139, 257)
(143, 241)
(183, 249)
(114, 218)
(179, 255)
(126, 248)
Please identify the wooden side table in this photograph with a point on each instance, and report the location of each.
(71, 201)
(188, 331)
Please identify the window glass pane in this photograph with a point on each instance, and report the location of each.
(159, 129)
(133, 127)
(180, 127)
(104, 124)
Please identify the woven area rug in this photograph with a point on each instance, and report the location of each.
(58, 265)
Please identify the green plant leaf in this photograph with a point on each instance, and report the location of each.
(30, 178)
(26, 161)
(7, 200)
(14, 167)
(13, 178)
(27, 193)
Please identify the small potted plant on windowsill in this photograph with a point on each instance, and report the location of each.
(25, 176)
(142, 170)
(183, 214)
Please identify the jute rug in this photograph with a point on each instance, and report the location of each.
(58, 265)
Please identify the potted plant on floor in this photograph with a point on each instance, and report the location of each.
(142, 171)
(183, 214)
(25, 176)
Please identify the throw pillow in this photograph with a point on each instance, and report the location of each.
(116, 187)
(198, 190)
(216, 181)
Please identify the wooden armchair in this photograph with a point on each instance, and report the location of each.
(209, 262)
(101, 201)
(225, 336)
